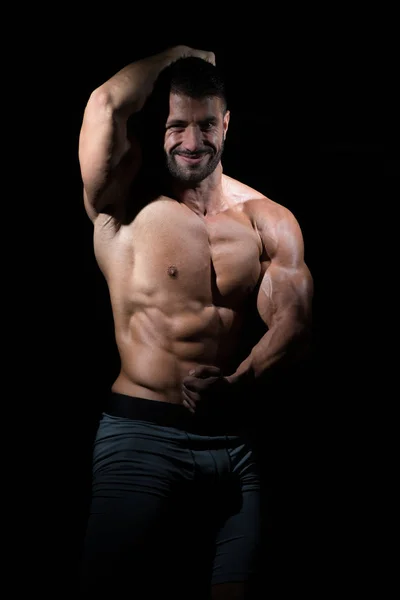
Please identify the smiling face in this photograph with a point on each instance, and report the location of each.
(194, 136)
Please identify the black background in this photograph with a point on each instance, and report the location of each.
(308, 129)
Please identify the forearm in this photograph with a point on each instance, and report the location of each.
(283, 342)
(127, 91)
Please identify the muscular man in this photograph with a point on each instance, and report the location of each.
(186, 251)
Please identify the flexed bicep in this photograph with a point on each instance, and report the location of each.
(286, 289)
(108, 159)
(285, 292)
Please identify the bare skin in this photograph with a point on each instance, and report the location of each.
(177, 299)
(182, 267)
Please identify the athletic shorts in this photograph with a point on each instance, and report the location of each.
(174, 500)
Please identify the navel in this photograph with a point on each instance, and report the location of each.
(172, 271)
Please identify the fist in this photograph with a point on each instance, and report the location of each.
(204, 54)
(200, 383)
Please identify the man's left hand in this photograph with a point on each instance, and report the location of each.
(202, 382)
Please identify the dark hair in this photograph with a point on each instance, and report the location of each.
(193, 77)
(190, 76)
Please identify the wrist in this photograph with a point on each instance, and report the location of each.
(242, 376)
(172, 54)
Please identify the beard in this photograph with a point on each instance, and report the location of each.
(196, 173)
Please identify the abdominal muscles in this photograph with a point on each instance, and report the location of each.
(177, 295)
(157, 350)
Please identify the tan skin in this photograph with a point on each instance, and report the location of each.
(181, 269)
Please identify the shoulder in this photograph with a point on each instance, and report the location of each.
(261, 210)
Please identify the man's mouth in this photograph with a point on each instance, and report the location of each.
(192, 159)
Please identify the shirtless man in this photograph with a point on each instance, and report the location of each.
(182, 252)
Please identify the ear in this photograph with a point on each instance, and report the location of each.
(227, 117)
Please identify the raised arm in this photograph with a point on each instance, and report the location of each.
(108, 159)
(285, 295)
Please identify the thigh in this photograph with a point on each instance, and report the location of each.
(237, 549)
(123, 538)
(138, 476)
(238, 537)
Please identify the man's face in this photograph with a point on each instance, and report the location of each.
(194, 137)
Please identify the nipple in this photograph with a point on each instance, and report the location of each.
(172, 271)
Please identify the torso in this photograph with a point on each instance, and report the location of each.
(178, 285)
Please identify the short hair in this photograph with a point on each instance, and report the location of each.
(190, 76)
(194, 77)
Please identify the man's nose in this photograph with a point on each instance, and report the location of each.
(192, 138)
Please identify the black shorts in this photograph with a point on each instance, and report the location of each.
(169, 502)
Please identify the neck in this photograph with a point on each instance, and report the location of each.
(202, 198)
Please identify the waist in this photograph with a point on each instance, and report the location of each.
(213, 419)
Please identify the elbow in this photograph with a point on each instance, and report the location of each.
(302, 329)
(102, 107)
(101, 100)
(299, 337)
(302, 341)
(108, 103)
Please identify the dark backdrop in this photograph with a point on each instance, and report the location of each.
(302, 134)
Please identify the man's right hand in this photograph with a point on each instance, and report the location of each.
(204, 54)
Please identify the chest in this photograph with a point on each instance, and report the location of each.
(214, 259)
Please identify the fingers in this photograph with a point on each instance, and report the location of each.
(211, 57)
(198, 384)
(204, 54)
(189, 406)
(190, 398)
(194, 389)
(203, 371)
(200, 381)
